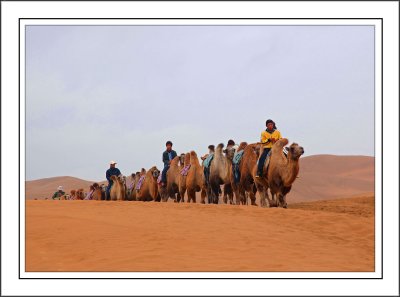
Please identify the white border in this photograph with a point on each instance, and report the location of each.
(375, 274)
(389, 285)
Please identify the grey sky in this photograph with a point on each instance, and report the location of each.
(101, 93)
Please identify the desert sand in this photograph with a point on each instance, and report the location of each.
(329, 226)
(149, 236)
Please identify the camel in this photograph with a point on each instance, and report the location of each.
(98, 193)
(171, 190)
(195, 179)
(283, 170)
(261, 182)
(118, 188)
(149, 189)
(133, 192)
(73, 195)
(220, 172)
(77, 194)
(245, 186)
(89, 195)
(182, 178)
(80, 194)
(227, 194)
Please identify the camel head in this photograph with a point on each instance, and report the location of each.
(80, 194)
(229, 153)
(154, 172)
(121, 179)
(295, 151)
(219, 148)
(181, 159)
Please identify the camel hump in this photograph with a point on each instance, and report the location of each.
(243, 144)
(193, 154)
(281, 143)
(152, 169)
(220, 146)
(113, 177)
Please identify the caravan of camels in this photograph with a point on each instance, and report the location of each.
(233, 168)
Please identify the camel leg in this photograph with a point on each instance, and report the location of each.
(192, 195)
(215, 190)
(203, 196)
(237, 196)
(261, 190)
(281, 200)
(252, 199)
(183, 195)
(209, 194)
(273, 202)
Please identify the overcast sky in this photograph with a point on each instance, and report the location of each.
(101, 93)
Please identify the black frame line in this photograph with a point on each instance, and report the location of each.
(196, 278)
(198, 1)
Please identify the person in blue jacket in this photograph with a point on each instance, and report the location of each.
(167, 157)
(111, 171)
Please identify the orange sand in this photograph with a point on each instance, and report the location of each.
(137, 236)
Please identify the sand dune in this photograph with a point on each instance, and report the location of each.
(137, 236)
(45, 187)
(321, 177)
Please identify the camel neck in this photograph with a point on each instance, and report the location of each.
(291, 172)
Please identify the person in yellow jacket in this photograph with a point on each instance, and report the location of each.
(268, 138)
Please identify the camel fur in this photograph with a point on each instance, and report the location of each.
(283, 170)
(118, 188)
(195, 179)
(182, 179)
(220, 171)
(149, 188)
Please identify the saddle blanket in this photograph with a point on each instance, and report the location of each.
(140, 182)
(185, 170)
(130, 187)
(89, 196)
(207, 161)
(237, 157)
